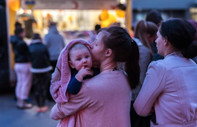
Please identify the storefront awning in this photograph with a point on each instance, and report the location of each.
(70, 4)
(163, 4)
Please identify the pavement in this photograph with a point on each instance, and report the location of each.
(10, 116)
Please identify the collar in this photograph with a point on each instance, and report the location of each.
(176, 53)
(36, 41)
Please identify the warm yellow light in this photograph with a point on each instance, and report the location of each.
(14, 4)
(120, 13)
(104, 15)
(110, 20)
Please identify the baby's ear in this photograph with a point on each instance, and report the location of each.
(71, 64)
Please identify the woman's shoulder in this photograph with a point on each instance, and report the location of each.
(176, 60)
(169, 63)
(158, 65)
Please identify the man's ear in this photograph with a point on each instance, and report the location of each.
(71, 64)
(108, 52)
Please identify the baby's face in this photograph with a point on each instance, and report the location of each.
(80, 58)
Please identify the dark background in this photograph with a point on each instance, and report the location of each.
(4, 52)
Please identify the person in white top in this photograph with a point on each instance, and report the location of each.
(170, 85)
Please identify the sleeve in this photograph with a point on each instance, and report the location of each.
(55, 113)
(152, 87)
(74, 86)
(76, 103)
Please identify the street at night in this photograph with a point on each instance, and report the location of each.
(11, 116)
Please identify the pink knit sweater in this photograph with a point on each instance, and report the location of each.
(103, 101)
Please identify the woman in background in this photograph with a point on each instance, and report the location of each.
(144, 35)
(170, 84)
(22, 68)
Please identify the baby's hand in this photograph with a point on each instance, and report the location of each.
(84, 71)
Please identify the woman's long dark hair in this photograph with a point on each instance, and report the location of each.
(125, 50)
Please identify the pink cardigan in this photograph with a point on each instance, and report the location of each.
(170, 87)
(103, 101)
(61, 78)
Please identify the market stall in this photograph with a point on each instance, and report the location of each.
(71, 15)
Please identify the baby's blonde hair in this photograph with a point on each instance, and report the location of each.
(75, 47)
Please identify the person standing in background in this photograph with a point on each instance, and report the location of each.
(41, 71)
(17, 25)
(170, 84)
(22, 68)
(54, 42)
(144, 35)
(155, 17)
(30, 20)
